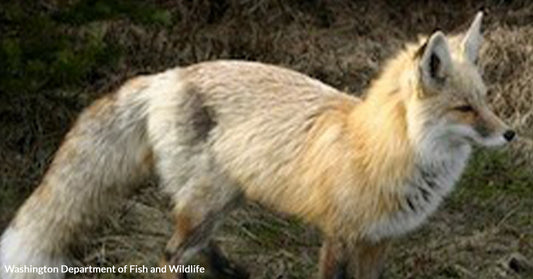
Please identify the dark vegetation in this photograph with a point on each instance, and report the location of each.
(58, 56)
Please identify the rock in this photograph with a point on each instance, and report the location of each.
(518, 263)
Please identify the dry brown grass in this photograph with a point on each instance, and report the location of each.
(342, 43)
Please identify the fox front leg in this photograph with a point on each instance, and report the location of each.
(367, 260)
(333, 260)
(364, 260)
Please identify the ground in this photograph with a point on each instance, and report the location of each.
(58, 56)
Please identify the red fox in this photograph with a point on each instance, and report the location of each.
(364, 171)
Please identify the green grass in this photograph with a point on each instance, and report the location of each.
(139, 12)
(493, 173)
(44, 51)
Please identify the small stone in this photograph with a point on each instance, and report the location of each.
(519, 263)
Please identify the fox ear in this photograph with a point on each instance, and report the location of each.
(435, 60)
(473, 38)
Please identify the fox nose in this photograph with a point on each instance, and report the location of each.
(509, 135)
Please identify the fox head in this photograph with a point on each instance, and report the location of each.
(449, 97)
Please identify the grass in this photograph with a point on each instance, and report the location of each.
(493, 173)
(138, 12)
(60, 50)
(59, 56)
(40, 56)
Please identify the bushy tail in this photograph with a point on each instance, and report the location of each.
(103, 157)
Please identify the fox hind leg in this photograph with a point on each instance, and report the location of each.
(181, 127)
(202, 195)
(199, 206)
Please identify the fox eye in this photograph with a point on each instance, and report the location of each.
(464, 108)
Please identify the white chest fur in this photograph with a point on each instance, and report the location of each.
(421, 194)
